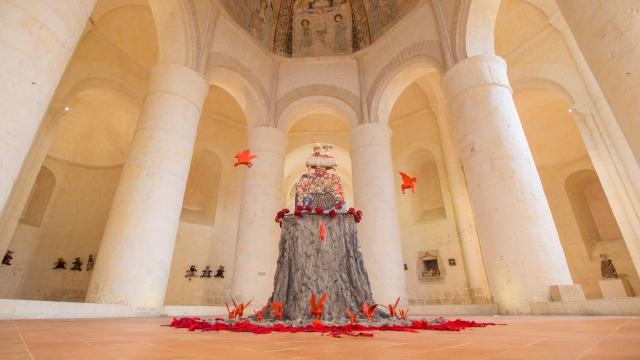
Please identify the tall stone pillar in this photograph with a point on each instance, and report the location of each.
(133, 263)
(608, 34)
(258, 234)
(521, 247)
(37, 39)
(374, 194)
(479, 290)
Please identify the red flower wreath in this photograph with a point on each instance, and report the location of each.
(332, 213)
(319, 210)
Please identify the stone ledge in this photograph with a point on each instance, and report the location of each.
(453, 310)
(624, 307)
(179, 310)
(11, 309)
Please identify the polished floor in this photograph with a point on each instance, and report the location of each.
(520, 338)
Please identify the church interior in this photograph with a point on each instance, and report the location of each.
(475, 159)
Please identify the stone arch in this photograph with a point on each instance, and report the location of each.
(424, 51)
(383, 96)
(39, 198)
(316, 104)
(562, 80)
(177, 30)
(230, 75)
(474, 27)
(341, 94)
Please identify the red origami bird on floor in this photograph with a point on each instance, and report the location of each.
(316, 309)
(232, 313)
(239, 308)
(369, 311)
(260, 314)
(352, 317)
(404, 313)
(393, 308)
(278, 310)
(244, 158)
(408, 182)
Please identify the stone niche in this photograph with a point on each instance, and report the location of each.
(429, 266)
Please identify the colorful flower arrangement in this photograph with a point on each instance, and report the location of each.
(308, 209)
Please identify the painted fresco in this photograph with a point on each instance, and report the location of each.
(317, 27)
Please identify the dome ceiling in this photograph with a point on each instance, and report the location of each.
(317, 27)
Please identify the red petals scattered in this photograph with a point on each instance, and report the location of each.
(193, 324)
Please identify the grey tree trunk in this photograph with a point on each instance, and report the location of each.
(307, 264)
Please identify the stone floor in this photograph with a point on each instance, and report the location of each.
(144, 338)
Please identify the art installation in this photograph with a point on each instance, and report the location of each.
(244, 158)
(607, 269)
(6, 260)
(206, 273)
(408, 182)
(77, 264)
(60, 264)
(90, 263)
(317, 283)
(219, 272)
(191, 272)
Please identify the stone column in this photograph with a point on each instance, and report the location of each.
(521, 247)
(608, 34)
(258, 234)
(37, 39)
(479, 290)
(133, 263)
(374, 194)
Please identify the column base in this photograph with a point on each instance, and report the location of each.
(567, 293)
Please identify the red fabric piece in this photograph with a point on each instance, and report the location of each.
(193, 324)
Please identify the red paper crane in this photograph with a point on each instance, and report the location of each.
(352, 317)
(316, 309)
(408, 182)
(278, 310)
(239, 308)
(232, 313)
(244, 158)
(369, 311)
(393, 308)
(403, 314)
(323, 230)
(260, 314)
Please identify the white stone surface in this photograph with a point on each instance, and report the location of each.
(453, 310)
(618, 307)
(567, 293)
(136, 249)
(512, 215)
(374, 194)
(175, 310)
(258, 233)
(29, 309)
(612, 289)
(36, 42)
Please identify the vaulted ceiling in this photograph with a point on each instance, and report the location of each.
(317, 27)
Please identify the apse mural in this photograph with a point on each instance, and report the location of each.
(317, 27)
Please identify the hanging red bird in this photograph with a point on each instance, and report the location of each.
(352, 317)
(278, 310)
(369, 311)
(244, 158)
(408, 182)
(323, 230)
(260, 314)
(317, 308)
(393, 308)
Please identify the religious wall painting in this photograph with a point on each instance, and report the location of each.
(321, 27)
